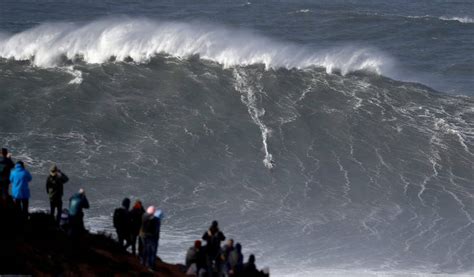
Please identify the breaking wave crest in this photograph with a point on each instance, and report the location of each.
(122, 39)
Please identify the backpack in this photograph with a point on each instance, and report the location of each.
(64, 221)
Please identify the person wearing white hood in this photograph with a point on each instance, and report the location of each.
(149, 235)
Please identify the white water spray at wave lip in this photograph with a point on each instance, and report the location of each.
(141, 39)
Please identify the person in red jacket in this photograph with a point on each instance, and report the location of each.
(136, 214)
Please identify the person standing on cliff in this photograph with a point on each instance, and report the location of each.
(6, 165)
(149, 235)
(136, 214)
(20, 178)
(224, 257)
(213, 238)
(122, 223)
(77, 203)
(55, 188)
(236, 260)
(195, 259)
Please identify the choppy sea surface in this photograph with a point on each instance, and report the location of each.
(330, 138)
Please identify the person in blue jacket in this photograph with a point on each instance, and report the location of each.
(19, 178)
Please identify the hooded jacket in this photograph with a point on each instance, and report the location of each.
(77, 203)
(213, 238)
(150, 226)
(20, 177)
(122, 217)
(55, 186)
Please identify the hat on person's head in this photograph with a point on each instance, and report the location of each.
(53, 169)
(197, 244)
(150, 210)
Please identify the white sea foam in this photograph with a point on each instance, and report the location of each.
(461, 19)
(249, 98)
(464, 19)
(77, 74)
(303, 11)
(141, 39)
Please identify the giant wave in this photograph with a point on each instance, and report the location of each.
(122, 39)
(361, 174)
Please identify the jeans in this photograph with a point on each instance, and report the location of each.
(150, 247)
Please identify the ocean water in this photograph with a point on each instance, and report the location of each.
(330, 138)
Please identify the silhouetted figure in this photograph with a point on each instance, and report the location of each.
(6, 165)
(195, 259)
(236, 260)
(250, 269)
(77, 203)
(149, 234)
(54, 189)
(224, 257)
(122, 223)
(213, 238)
(19, 178)
(136, 214)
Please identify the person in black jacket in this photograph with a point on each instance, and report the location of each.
(6, 165)
(250, 269)
(150, 234)
(122, 223)
(213, 238)
(54, 189)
